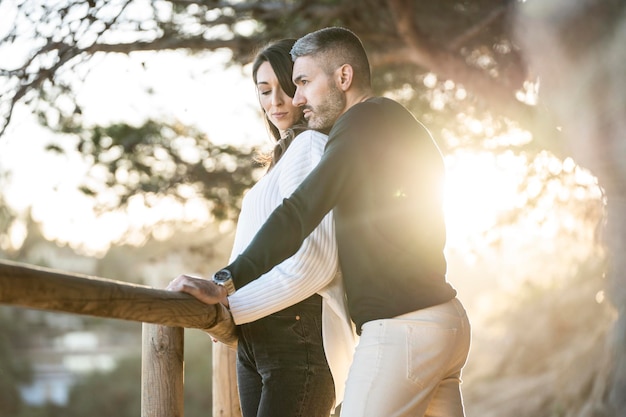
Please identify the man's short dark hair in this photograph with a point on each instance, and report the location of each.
(333, 47)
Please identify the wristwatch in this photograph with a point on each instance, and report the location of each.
(224, 279)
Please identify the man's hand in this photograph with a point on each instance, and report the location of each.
(203, 289)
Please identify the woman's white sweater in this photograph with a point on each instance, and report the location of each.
(313, 269)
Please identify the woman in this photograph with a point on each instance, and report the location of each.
(296, 340)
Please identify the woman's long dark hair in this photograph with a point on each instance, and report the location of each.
(277, 54)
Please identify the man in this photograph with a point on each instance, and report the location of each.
(382, 174)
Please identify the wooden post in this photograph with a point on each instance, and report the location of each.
(225, 393)
(162, 371)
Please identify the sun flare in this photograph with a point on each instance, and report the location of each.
(478, 186)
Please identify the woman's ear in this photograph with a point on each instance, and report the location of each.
(344, 76)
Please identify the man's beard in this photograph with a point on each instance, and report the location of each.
(326, 114)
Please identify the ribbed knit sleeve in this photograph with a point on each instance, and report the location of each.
(314, 265)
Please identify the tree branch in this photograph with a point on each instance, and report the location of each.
(421, 52)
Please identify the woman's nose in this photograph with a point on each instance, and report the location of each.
(277, 98)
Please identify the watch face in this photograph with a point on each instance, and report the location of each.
(221, 276)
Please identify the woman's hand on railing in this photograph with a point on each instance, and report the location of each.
(203, 289)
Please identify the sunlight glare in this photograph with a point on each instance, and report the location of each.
(478, 186)
(16, 235)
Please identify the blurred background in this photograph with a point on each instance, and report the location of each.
(127, 135)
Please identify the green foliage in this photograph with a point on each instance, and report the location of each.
(46, 410)
(14, 369)
(7, 216)
(165, 160)
(198, 374)
(117, 393)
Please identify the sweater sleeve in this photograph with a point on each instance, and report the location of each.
(290, 223)
(314, 264)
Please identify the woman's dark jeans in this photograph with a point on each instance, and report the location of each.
(281, 366)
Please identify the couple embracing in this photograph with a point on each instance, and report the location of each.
(337, 278)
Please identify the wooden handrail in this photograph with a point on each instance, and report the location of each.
(48, 289)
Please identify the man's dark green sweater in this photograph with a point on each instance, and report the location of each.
(382, 174)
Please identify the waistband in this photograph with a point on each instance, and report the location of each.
(453, 306)
(314, 301)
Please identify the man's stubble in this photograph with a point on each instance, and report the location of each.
(324, 115)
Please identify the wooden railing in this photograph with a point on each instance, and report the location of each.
(164, 315)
